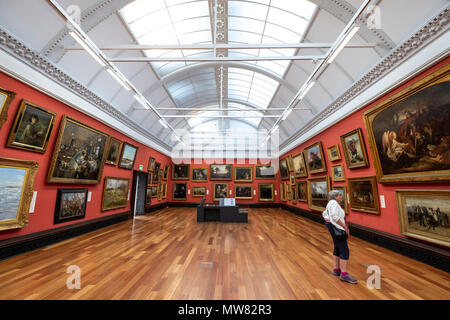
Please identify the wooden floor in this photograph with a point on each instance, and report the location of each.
(277, 255)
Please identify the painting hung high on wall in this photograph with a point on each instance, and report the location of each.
(32, 128)
(299, 165)
(79, 154)
(337, 173)
(243, 191)
(302, 191)
(333, 153)
(221, 171)
(284, 169)
(115, 193)
(315, 159)
(354, 149)
(128, 156)
(16, 192)
(70, 205)
(151, 164)
(200, 174)
(6, 97)
(265, 172)
(180, 171)
(425, 215)
(318, 189)
(265, 192)
(220, 190)
(156, 173)
(165, 174)
(243, 174)
(409, 133)
(363, 194)
(114, 150)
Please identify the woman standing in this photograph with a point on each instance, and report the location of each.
(335, 218)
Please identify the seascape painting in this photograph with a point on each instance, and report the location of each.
(11, 185)
(128, 156)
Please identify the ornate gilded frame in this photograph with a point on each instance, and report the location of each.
(352, 190)
(317, 179)
(363, 149)
(197, 187)
(259, 191)
(333, 178)
(322, 158)
(305, 184)
(104, 208)
(264, 178)
(124, 145)
(9, 97)
(111, 139)
(214, 190)
(330, 156)
(345, 196)
(296, 170)
(223, 179)
(243, 180)
(174, 189)
(243, 185)
(188, 166)
(195, 180)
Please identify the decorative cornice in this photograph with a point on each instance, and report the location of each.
(33, 59)
(430, 31)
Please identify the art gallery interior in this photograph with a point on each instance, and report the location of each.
(186, 149)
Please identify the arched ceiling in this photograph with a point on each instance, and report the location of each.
(178, 72)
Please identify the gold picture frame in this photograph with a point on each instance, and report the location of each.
(216, 174)
(32, 128)
(180, 171)
(238, 191)
(113, 151)
(220, 193)
(314, 158)
(424, 215)
(318, 189)
(65, 166)
(363, 194)
(283, 191)
(6, 97)
(344, 203)
(18, 177)
(246, 171)
(260, 169)
(115, 193)
(355, 153)
(284, 169)
(300, 169)
(334, 153)
(302, 191)
(166, 172)
(290, 163)
(407, 133)
(164, 193)
(294, 195)
(199, 175)
(151, 164)
(337, 173)
(179, 191)
(128, 156)
(198, 191)
(266, 192)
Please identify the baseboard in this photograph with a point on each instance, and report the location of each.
(29, 242)
(431, 255)
(155, 207)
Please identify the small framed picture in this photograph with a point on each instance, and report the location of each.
(337, 172)
(128, 156)
(333, 153)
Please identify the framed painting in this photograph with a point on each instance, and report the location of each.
(114, 150)
(300, 170)
(409, 133)
(243, 191)
(337, 173)
(284, 169)
(156, 176)
(318, 189)
(283, 191)
(243, 174)
(164, 192)
(199, 174)
(292, 180)
(151, 164)
(344, 201)
(165, 175)
(32, 128)
(79, 154)
(354, 149)
(148, 195)
(70, 205)
(198, 191)
(265, 192)
(154, 191)
(220, 190)
(221, 172)
(302, 191)
(160, 191)
(115, 193)
(363, 194)
(333, 153)
(179, 191)
(294, 195)
(315, 160)
(6, 97)
(128, 156)
(265, 172)
(290, 163)
(180, 171)
(157, 168)
(16, 192)
(425, 215)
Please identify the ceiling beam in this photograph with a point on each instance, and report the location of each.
(213, 59)
(216, 116)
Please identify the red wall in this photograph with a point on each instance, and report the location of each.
(209, 185)
(388, 220)
(42, 218)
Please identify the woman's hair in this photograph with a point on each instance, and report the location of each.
(333, 194)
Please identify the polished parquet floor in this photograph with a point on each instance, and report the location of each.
(168, 255)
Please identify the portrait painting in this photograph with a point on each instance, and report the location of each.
(6, 97)
(151, 164)
(164, 191)
(425, 215)
(148, 195)
(243, 191)
(409, 133)
(70, 205)
(165, 174)
(32, 128)
(302, 191)
(114, 150)
(284, 169)
(157, 168)
(198, 191)
(290, 163)
(221, 172)
(265, 192)
(292, 180)
(115, 193)
(318, 189)
(294, 195)
(220, 191)
(128, 156)
(265, 172)
(79, 154)
(283, 191)
(154, 191)
(160, 191)
(243, 174)
(16, 192)
(344, 202)
(179, 191)
(333, 153)
(180, 171)
(157, 173)
(337, 173)
(299, 165)
(200, 174)
(363, 194)
(354, 149)
(314, 158)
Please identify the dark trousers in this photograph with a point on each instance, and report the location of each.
(340, 246)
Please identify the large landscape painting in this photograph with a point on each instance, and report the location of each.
(410, 132)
